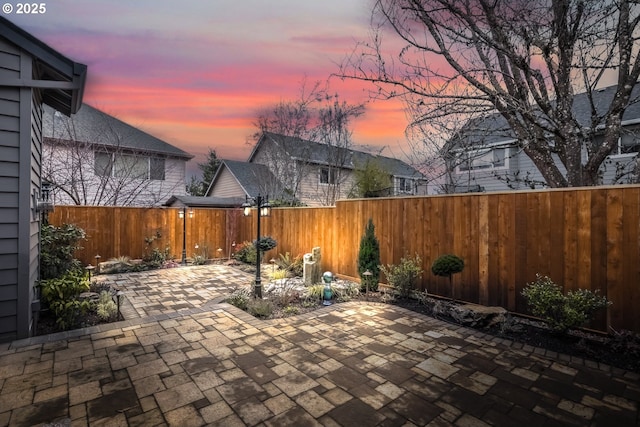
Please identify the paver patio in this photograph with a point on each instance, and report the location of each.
(193, 361)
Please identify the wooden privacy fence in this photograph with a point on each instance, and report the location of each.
(581, 238)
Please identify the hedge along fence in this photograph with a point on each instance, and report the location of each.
(581, 238)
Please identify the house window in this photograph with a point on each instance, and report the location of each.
(404, 185)
(156, 168)
(129, 166)
(495, 158)
(627, 144)
(327, 176)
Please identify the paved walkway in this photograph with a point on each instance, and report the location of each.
(353, 364)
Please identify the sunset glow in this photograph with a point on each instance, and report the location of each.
(196, 74)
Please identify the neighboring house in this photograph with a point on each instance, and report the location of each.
(235, 179)
(296, 170)
(484, 156)
(31, 74)
(93, 158)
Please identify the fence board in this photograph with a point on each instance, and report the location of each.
(581, 238)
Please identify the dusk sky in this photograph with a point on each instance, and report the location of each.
(195, 73)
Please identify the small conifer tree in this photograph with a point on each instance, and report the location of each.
(369, 257)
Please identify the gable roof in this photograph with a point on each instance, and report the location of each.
(62, 80)
(318, 153)
(90, 125)
(493, 128)
(250, 176)
(205, 202)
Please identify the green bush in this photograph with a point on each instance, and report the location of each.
(403, 277)
(61, 296)
(290, 310)
(154, 257)
(246, 252)
(447, 265)
(279, 274)
(106, 309)
(314, 293)
(240, 298)
(57, 247)
(293, 265)
(199, 260)
(266, 243)
(562, 312)
(346, 293)
(369, 257)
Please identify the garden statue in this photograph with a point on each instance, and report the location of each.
(327, 278)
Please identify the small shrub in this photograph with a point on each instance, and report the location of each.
(279, 274)
(290, 310)
(286, 293)
(294, 265)
(447, 266)
(314, 293)
(259, 307)
(562, 312)
(199, 260)
(369, 257)
(57, 248)
(246, 252)
(106, 309)
(240, 298)
(267, 243)
(346, 293)
(403, 276)
(154, 257)
(61, 296)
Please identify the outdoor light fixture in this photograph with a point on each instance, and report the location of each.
(43, 203)
(263, 208)
(182, 214)
(119, 295)
(89, 269)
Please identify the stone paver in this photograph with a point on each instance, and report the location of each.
(366, 364)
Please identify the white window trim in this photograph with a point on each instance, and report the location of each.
(481, 152)
(399, 190)
(331, 171)
(618, 155)
(146, 157)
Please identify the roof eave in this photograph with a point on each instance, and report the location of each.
(52, 66)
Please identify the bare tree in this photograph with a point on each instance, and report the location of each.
(521, 59)
(318, 116)
(107, 170)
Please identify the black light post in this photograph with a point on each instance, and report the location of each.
(182, 213)
(264, 209)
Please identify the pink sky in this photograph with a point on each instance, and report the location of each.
(195, 73)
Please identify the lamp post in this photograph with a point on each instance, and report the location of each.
(182, 213)
(263, 209)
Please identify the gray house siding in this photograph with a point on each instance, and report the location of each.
(518, 165)
(28, 210)
(13, 265)
(31, 73)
